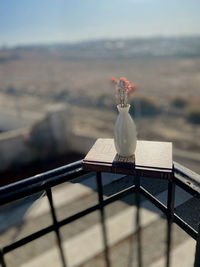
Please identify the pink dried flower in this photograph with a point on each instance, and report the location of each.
(113, 80)
(127, 83)
(124, 88)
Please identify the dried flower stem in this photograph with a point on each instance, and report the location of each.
(123, 89)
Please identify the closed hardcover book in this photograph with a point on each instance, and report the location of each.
(151, 158)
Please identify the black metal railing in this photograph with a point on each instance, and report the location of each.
(181, 177)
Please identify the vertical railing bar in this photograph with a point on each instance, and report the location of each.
(2, 261)
(55, 223)
(100, 196)
(197, 253)
(170, 215)
(138, 227)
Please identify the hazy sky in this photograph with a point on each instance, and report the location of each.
(42, 21)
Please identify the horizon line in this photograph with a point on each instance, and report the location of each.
(67, 42)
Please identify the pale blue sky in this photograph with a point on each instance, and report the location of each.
(43, 21)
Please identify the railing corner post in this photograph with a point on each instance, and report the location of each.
(197, 253)
(2, 261)
(170, 217)
(101, 205)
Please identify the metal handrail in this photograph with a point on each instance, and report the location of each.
(73, 170)
(182, 177)
(40, 182)
(187, 179)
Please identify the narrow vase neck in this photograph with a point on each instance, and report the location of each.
(123, 110)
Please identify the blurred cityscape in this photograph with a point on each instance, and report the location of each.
(166, 106)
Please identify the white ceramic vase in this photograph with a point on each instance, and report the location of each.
(125, 135)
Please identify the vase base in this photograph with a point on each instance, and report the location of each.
(128, 159)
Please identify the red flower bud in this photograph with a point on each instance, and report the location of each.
(123, 79)
(127, 83)
(129, 88)
(113, 80)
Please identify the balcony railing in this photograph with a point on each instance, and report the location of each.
(182, 177)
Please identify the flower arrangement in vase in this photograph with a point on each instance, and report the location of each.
(125, 135)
